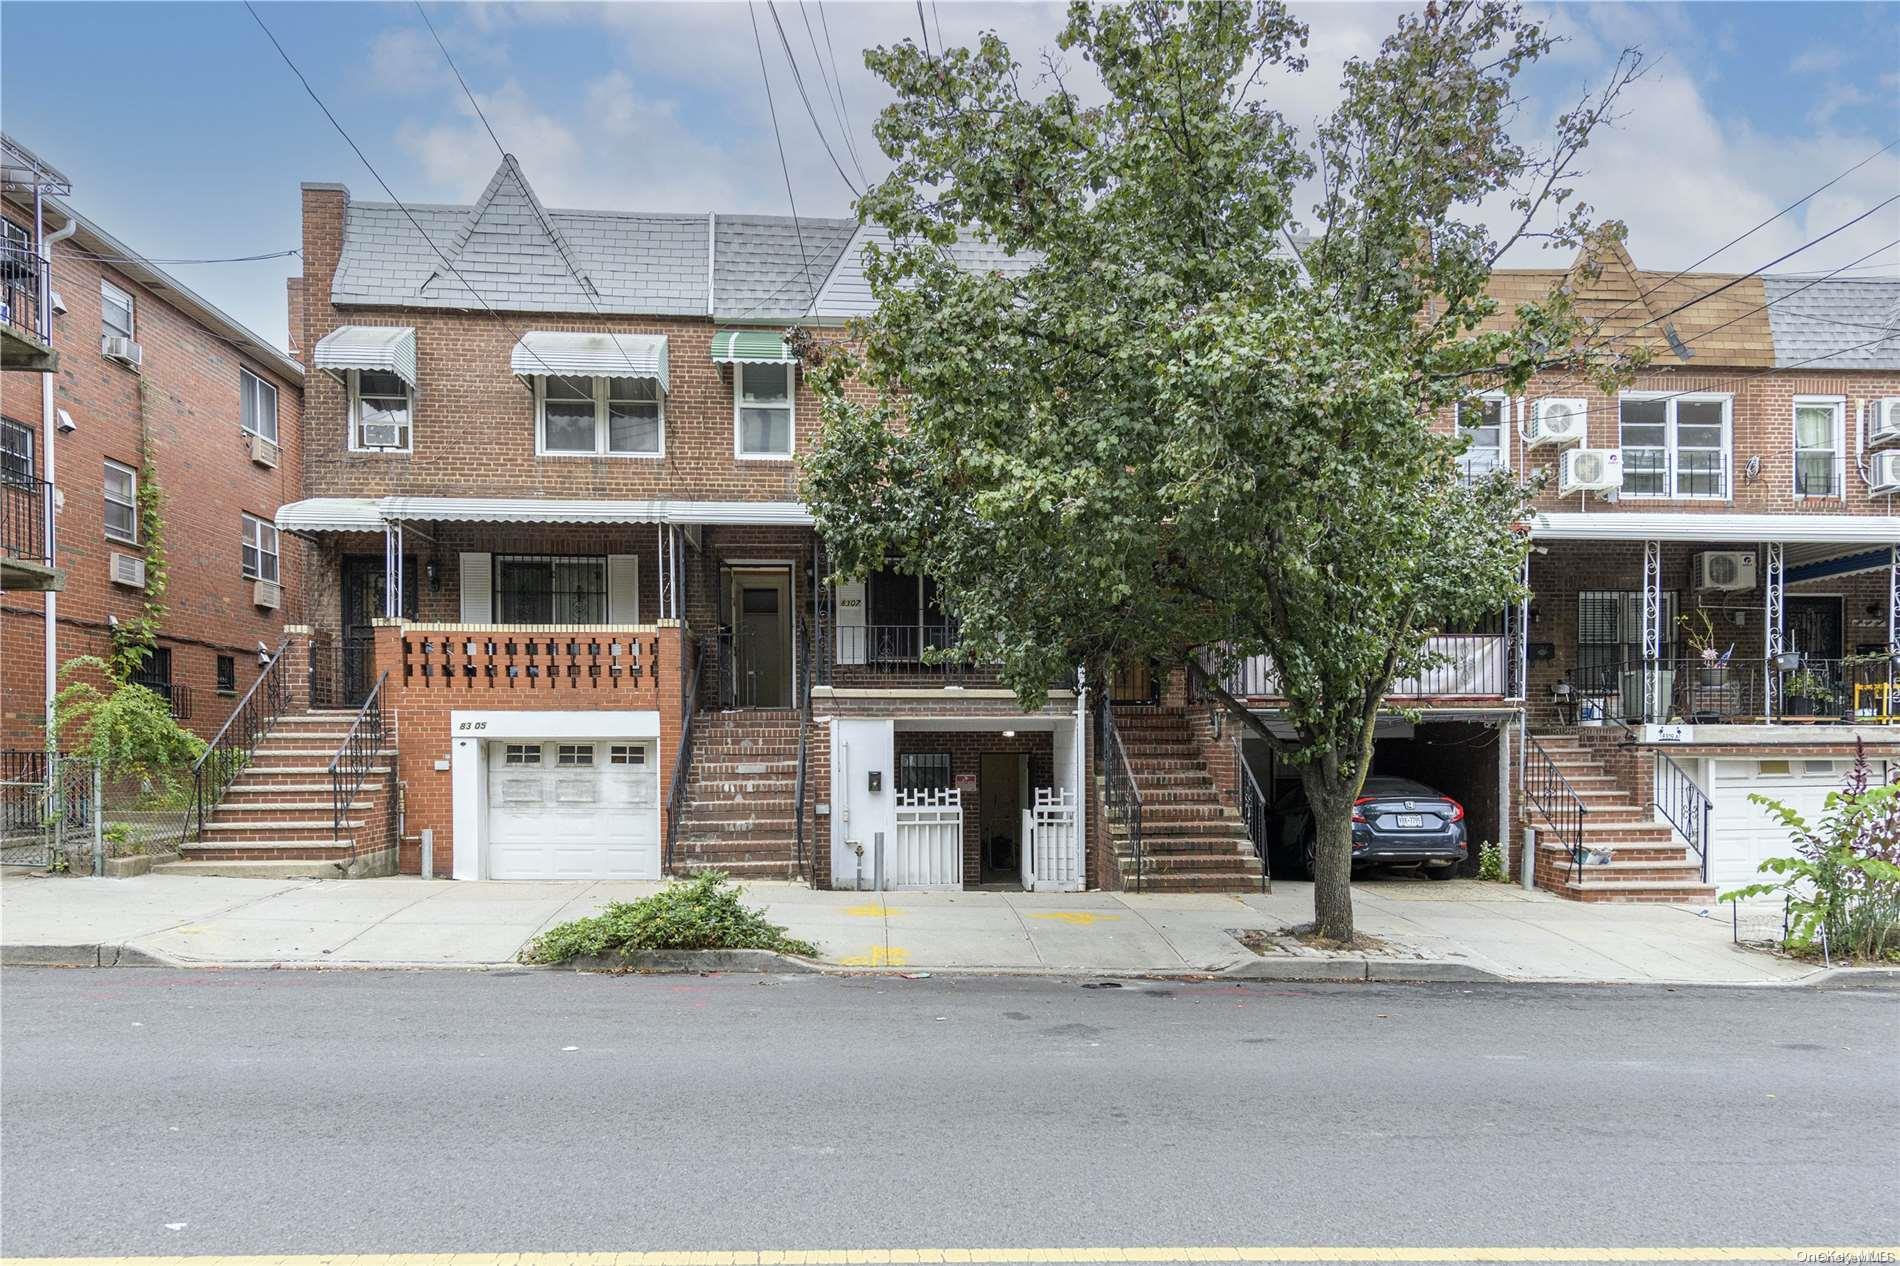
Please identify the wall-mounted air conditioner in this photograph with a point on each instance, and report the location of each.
(1885, 429)
(382, 435)
(127, 570)
(264, 452)
(1729, 570)
(1558, 422)
(124, 350)
(1590, 470)
(1885, 476)
(267, 594)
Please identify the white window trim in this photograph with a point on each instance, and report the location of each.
(245, 388)
(131, 311)
(791, 408)
(133, 474)
(1839, 405)
(601, 434)
(1503, 450)
(1670, 450)
(356, 401)
(254, 529)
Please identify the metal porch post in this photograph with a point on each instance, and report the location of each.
(1891, 705)
(823, 600)
(664, 537)
(1652, 630)
(392, 570)
(1771, 627)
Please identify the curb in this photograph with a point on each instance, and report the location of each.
(78, 956)
(690, 961)
(1385, 970)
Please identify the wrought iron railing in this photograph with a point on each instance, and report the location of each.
(1551, 793)
(358, 754)
(1863, 690)
(231, 750)
(801, 699)
(22, 282)
(683, 756)
(23, 503)
(340, 670)
(1120, 797)
(1253, 812)
(1685, 805)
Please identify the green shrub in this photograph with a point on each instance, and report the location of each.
(700, 913)
(1491, 863)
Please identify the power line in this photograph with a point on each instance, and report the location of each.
(803, 259)
(798, 81)
(457, 70)
(147, 259)
(850, 133)
(835, 99)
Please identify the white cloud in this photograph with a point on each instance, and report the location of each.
(1818, 59)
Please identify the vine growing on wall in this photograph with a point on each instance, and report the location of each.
(135, 638)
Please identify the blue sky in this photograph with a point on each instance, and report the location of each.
(187, 137)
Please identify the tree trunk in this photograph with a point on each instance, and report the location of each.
(1331, 803)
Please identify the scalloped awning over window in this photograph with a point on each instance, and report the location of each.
(751, 347)
(391, 348)
(576, 355)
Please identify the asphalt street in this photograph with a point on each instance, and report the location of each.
(153, 1111)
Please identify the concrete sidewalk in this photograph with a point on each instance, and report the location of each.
(1456, 930)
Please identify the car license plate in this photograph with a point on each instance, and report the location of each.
(1411, 821)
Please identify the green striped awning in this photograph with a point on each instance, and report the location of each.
(753, 347)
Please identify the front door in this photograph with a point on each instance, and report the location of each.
(1814, 627)
(365, 594)
(761, 661)
(999, 791)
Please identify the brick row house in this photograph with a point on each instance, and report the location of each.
(566, 616)
(119, 379)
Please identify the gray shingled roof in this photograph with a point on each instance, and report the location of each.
(766, 267)
(847, 293)
(1822, 324)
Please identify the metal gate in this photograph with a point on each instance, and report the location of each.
(36, 825)
(929, 847)
(1051, 860)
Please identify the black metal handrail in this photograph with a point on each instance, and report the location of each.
(801, 699)
(1685, 805)
(1120, 797)
(1253, 812)
(1547, 788)
(683, 756)
(23, 503)
(22, 282)
(230, 751)
(356, 756)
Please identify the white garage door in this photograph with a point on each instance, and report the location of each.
(573, 810)
(1744, 833)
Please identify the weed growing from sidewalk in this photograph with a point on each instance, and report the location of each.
(1491, 863)
(701, 913)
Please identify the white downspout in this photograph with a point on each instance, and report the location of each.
(48, 426)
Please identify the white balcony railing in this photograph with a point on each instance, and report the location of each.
(1473, 666)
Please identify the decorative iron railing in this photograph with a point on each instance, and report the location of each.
(358, 754)
(801, 699)
(683, 756)
(231, 750)
(1120, 796)
(22, 282)
(1253, 812)
(1685, 805)
(340, 670)
(23, 503)
(1551, 793)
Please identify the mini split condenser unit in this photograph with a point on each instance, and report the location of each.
(1885, 430)
(1731, 571)
(1558, 422)
(1590, 470)
(1885, 476)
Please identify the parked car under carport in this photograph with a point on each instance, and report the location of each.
(1395, 822)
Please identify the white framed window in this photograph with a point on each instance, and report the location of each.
(115, 311)
(762, 411)
(627, 754)
(1819, 446)
(122, 502)
(599, 417)
(257, 405)
(16, 452)
(575, 755)
(1483, 420)
(522, 754)
(550, 589)
(260, 549)
(1675, 446)
(380, 408)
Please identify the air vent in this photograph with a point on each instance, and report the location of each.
(128, 570)
(267, 594)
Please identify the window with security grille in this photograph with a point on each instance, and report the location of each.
(155, 672)
(16, 453)
(550, 589)
(1675, 446)
(923, 771)
(1610, 634)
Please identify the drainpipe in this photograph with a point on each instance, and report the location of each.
(48, 427)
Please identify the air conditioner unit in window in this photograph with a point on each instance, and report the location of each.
(123, 350)
(1590, 470)
(382, 435)
(1885, 477)
(128, 570)
(264, 452)
(267, 594)
(1558, 422)
(1732, 571)
(1886, 425)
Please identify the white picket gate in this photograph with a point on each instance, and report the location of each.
(929, 844)
(1051, 860)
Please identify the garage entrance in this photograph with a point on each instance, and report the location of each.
(572, 809)
(1742, 833)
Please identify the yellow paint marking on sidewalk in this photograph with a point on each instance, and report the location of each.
(870, 910)
(1009, 1256)
(1081, 919)
(876, 956)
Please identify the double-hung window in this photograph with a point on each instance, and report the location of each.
(257, 405)
(1675, 446)
(1482, 421)
(115, 311)
(260, 549)
(1818, 446)
(614, 417)
(16, 453)
(762, 410)
(122, 503)
(544, 589)
(380, 408)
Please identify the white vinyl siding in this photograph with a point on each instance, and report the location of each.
(1675, 447)
(115, 311)
(1819, 446)
(762, 411)
(122, 503)
(380, 412)
(260, 549)
(257, 405)
(595, 417)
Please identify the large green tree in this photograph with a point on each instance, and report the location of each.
(1178, 419)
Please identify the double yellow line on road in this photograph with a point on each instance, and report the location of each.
(1008, 1256)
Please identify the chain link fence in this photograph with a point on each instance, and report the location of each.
(62, 814)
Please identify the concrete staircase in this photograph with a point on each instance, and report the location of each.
(1191, 842)
(277, 818)
(1648, 862)
(739, 815)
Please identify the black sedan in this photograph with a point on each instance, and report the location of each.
(1395, 822)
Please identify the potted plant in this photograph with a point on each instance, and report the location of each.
(1698, 630)
(1804, 691)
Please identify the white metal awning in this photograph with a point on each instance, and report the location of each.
(391, 348)
(756, 513)
(517, 510)
(579, 355)
(1718, 527)
(330, 514)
